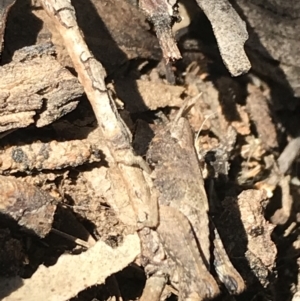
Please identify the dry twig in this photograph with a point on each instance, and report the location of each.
(91, 74)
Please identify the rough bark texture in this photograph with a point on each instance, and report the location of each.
(273, 47)
(230, 33)
(35, 88)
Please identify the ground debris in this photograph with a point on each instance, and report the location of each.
(148, 95)
(99, 16)
(258, 107)
(30, 206)
(48, 90)
(12, 255)
(160, 13)
(260, 250)
(54, 155)
(223, 16)
(258, 230)
(218, 106)
(89, 166)
(72, 273)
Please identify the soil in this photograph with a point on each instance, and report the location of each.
(241, 130)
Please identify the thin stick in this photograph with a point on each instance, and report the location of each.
(74, 239)
(117, 136)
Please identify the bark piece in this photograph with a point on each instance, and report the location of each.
(160, 13)
(259, 111)
(47, 156)
(29, 206)
(35, 88)
(230, 32)
(260, 251)
(218, 104)
(72, 273)
(229, 29)
(127, 27)
(89, 195)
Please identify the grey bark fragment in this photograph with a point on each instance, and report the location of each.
(230, 32)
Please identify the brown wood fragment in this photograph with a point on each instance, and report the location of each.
(72, 273)
(35, 88)
(47, 156)
(30, 206)
(254, 230)
(258, 230)
(160, 13)
(259, 111)
(217, 103)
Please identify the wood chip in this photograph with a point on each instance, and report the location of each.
(35, 88)
(72, 273)
(30, 206)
